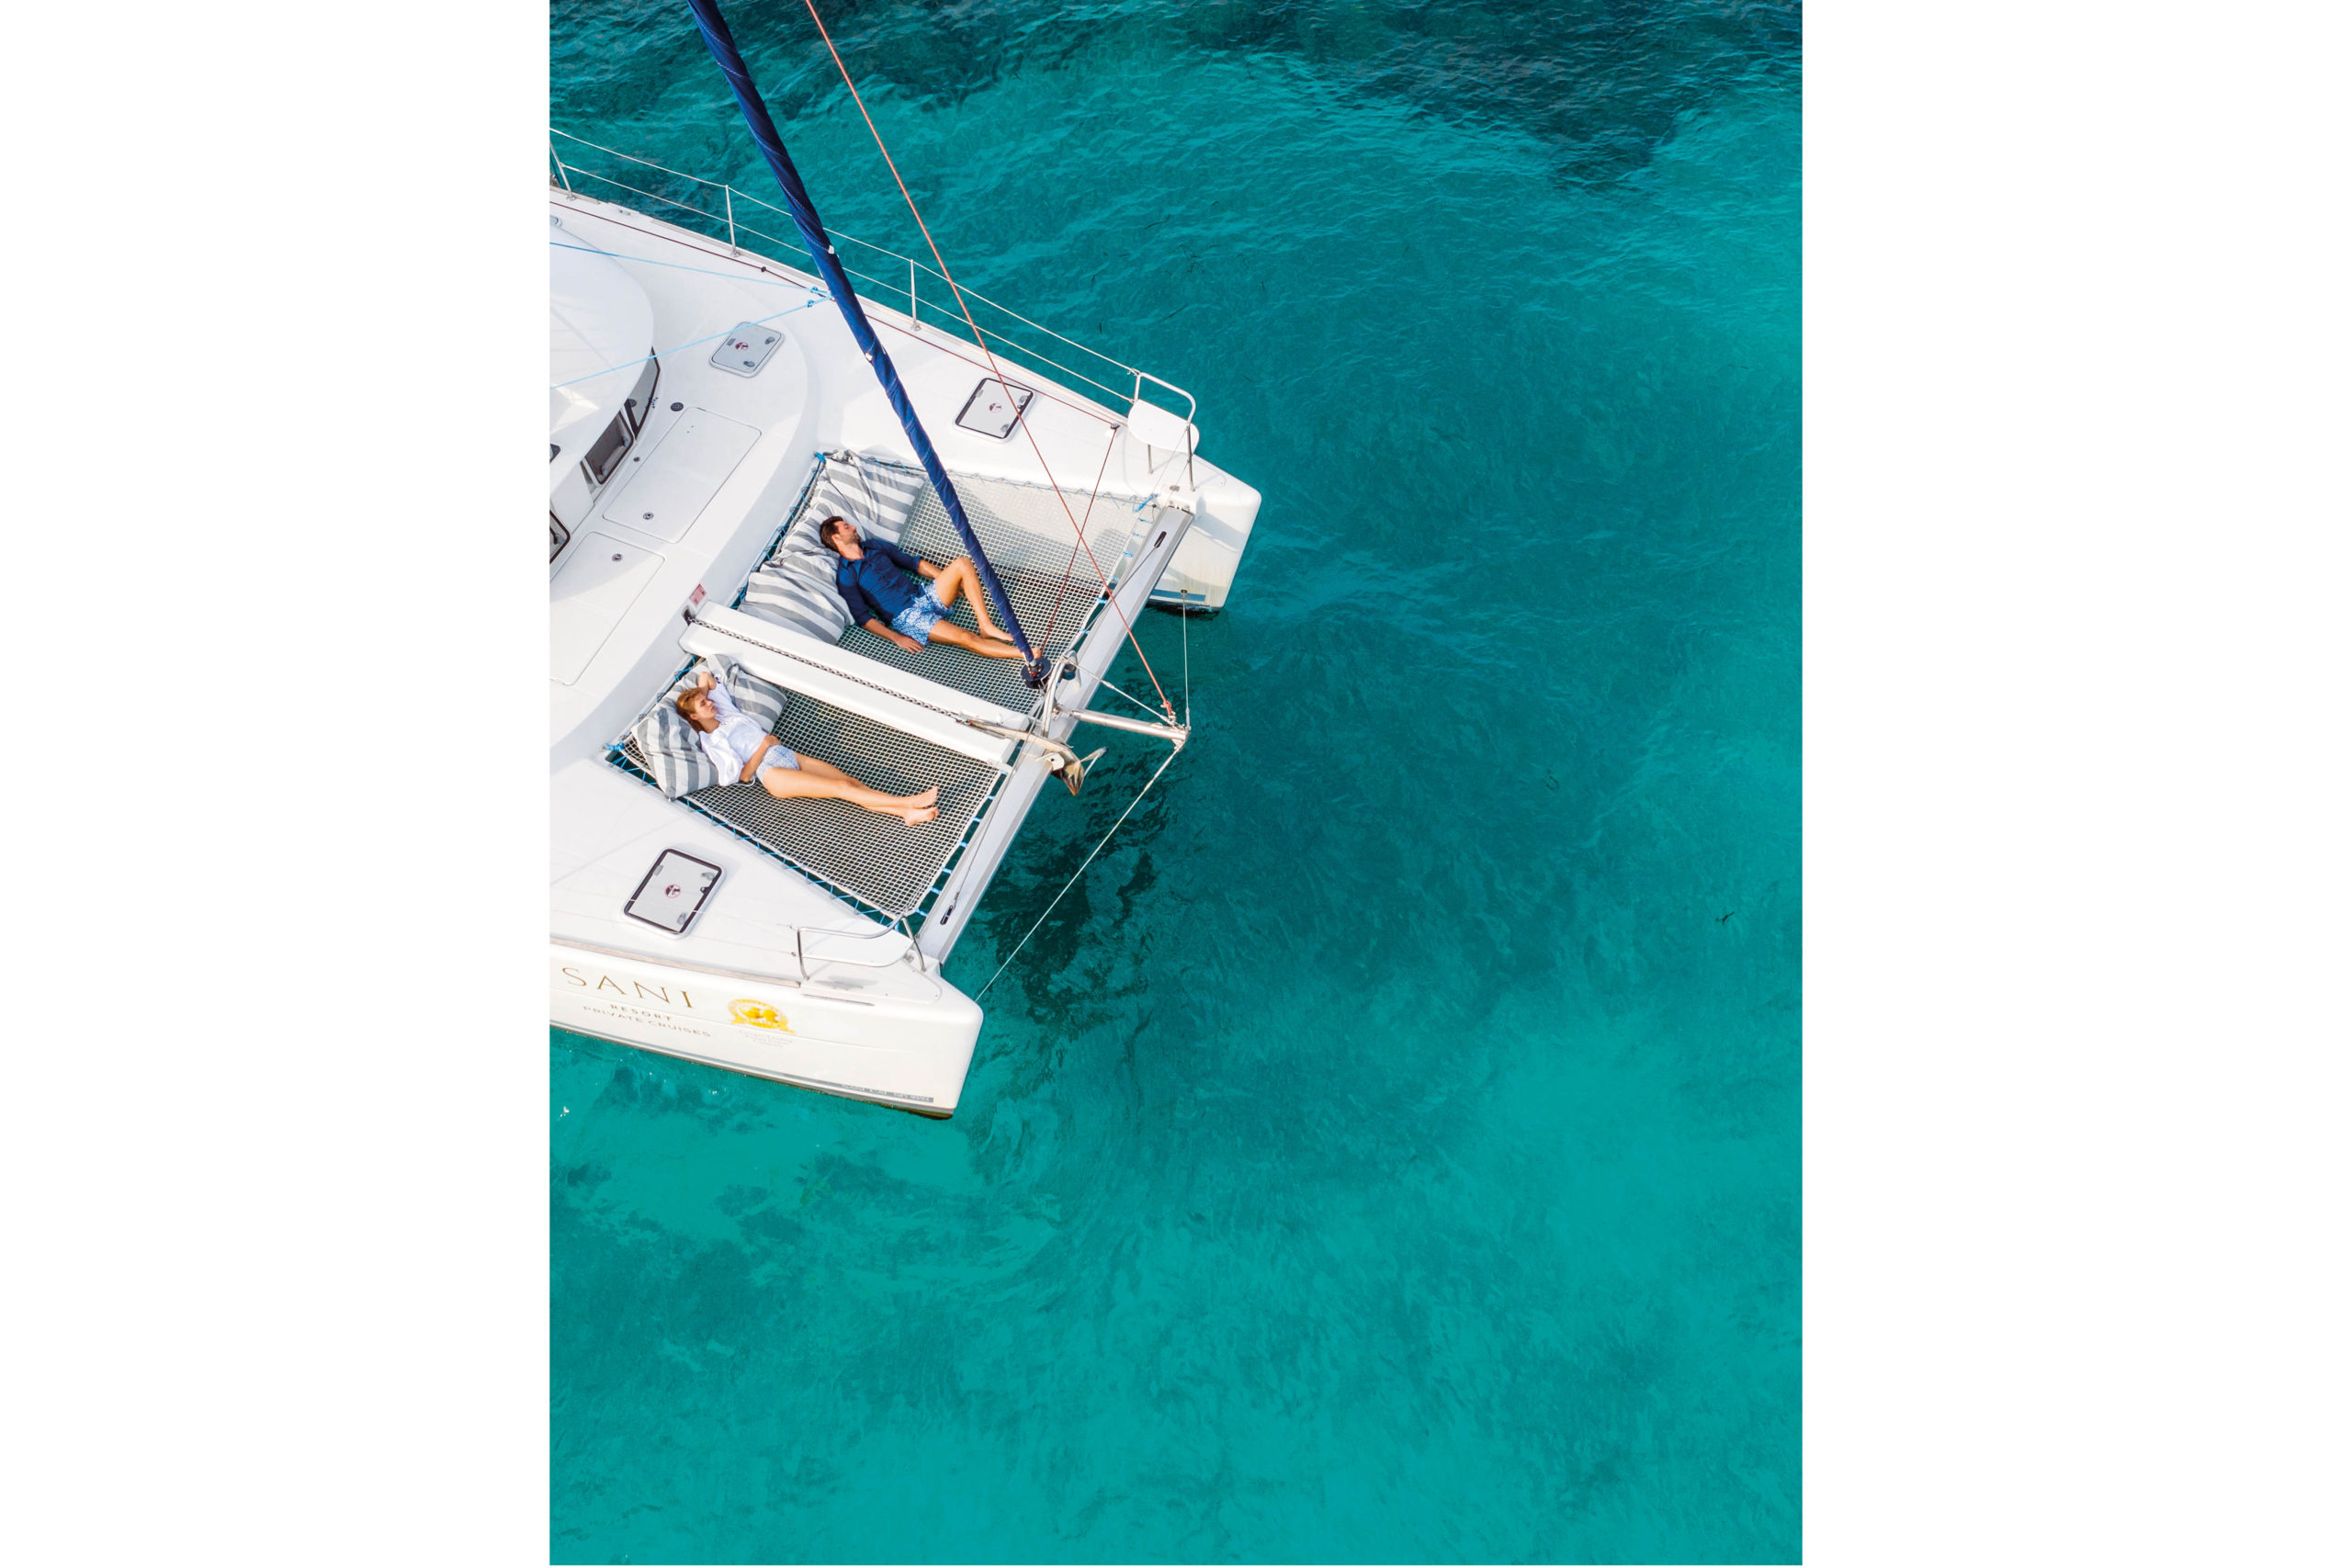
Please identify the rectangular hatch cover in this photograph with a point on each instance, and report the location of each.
(674, 892)
(745, 351)
(993, 409)
(674, 482)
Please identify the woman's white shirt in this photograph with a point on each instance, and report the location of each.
(731, 744)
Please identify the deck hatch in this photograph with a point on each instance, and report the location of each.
(672, 484)
(993, 410)
(746, 350)
(674, 892)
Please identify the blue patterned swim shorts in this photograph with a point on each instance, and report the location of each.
(922, 614)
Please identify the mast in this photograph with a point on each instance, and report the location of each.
(721, 45)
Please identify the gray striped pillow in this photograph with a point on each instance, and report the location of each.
(795, 586)
(668, 747)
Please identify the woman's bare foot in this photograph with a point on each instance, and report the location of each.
(916, 816)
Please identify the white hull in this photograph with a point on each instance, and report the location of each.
(782, 976)
(897, 1051)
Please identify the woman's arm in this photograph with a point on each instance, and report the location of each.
(752, 764)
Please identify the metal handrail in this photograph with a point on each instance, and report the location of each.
(897, 929)
(914, 300)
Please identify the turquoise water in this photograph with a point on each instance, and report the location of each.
(1390, 1150)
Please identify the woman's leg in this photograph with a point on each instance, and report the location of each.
(805, 782)
(825, 770)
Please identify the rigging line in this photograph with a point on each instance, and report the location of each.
(934, 342)
(665, 353)
(1185, 621)
(646, 163)
(1105, 680)
(1076, 875)
(837, 234)
(1069, 567)
(752, 260)
(741, 258)
(674, 266)
(633, 190)
(1168, 708)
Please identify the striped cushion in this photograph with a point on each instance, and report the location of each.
(795, 586)
(668, 745)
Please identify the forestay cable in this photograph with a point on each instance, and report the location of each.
(1076, 875)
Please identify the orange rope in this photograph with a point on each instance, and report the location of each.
(1069, 566)
(1166, 706)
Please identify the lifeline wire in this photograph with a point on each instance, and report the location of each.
(680, 267)
(1076, 875)
(698, 342)
(1167, 707)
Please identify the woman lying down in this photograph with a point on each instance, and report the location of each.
(741, 750)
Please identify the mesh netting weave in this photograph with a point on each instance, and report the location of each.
(878, 860)
(1028, 539)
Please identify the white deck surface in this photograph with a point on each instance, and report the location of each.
(749, 924)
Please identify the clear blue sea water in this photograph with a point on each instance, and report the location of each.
(1390, 1150)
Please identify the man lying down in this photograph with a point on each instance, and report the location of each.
(905, 599)
(743, 751)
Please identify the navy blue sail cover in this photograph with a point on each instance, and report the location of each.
(721, 45)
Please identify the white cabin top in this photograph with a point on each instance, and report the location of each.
(600, 332)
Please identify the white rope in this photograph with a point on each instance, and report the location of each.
(1149, 711)
(1075, 875)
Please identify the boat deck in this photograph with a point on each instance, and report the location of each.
(880, 862)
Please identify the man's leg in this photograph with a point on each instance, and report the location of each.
(961, 577)
(954, 636)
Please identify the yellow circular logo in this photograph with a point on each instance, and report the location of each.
(759, 1015)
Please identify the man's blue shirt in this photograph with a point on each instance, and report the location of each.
(878, 584)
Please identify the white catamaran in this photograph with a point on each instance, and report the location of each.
(711, 407)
